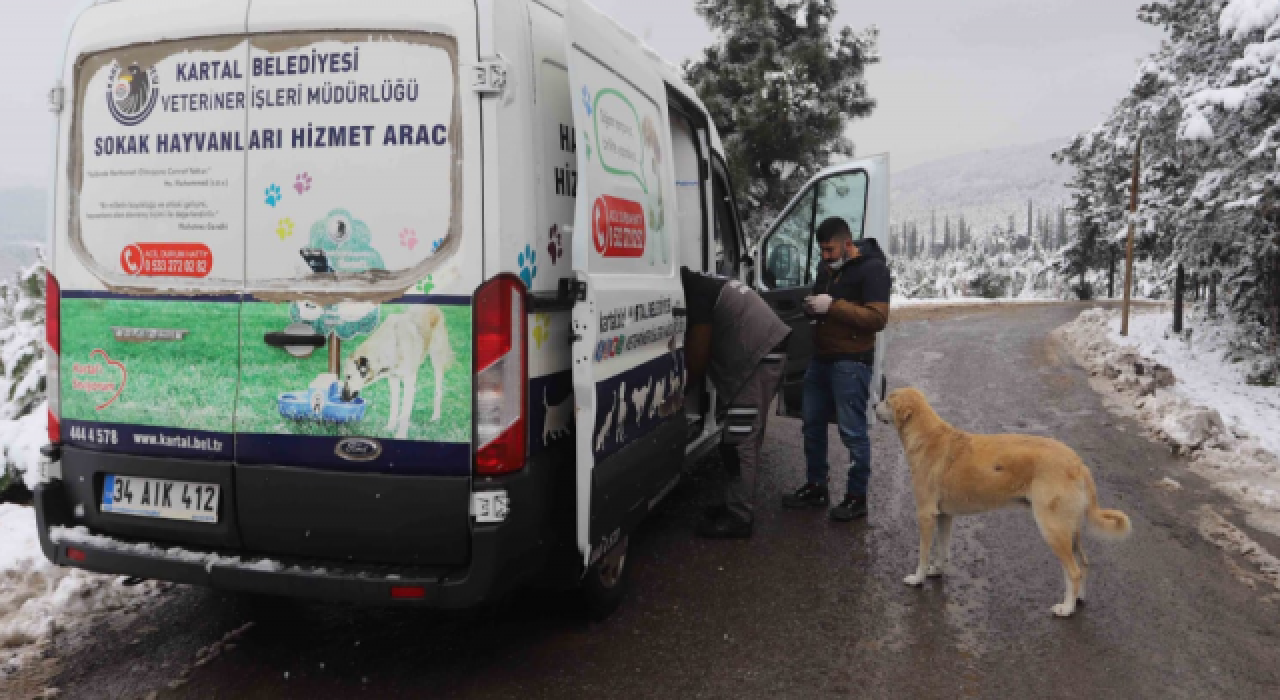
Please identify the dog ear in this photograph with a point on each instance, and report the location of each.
(904, 412)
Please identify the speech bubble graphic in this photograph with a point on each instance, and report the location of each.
(619, 139)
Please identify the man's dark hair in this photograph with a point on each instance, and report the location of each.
(834, 228)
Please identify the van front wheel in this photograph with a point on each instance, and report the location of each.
(605, 584)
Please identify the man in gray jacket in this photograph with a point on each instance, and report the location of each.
(735, 340)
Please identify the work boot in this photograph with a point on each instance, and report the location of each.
(714, 511)
(807, 496)
(853, 506)
(724, 526)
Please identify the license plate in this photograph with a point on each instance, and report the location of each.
(160, 498)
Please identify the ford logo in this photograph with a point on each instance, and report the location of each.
(358, 449)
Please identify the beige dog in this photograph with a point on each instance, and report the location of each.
(958, 473)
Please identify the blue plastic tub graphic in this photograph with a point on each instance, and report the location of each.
(315, 405)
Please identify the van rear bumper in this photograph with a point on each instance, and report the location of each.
(502, 556)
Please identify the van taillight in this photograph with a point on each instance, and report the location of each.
(53, 353)
(500, 375)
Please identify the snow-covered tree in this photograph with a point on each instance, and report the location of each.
(1206, 106)
(22, 376)
(781, 86)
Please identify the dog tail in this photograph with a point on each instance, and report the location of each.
(1107, 523)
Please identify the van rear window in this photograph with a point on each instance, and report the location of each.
(279, 163)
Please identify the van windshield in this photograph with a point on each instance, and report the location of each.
(269, 163)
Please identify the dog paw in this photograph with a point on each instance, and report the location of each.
(913, 580)
(1063, 610)
(934, 571)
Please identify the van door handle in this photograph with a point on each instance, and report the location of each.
(785, 305)
(280, 340)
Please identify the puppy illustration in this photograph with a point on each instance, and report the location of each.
(558, 417)
(395, 352)
(640, 397)
(622, 413)
(655, 210)
(608, 424)
(658, 397)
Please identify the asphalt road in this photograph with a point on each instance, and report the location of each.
(807, 608)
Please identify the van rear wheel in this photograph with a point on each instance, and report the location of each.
(605, 584)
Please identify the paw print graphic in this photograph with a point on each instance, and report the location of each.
(409, 238)
(302, 183)
(555, 244)
(284, 228)
(426, 285)
(540, 331)
(273, 194)
(586, 100)
(528, 268)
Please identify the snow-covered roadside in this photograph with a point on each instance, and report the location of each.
(1189, 395)
(39, 600)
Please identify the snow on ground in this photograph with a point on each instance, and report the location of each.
(1188, 394)
(39, 600)
(904, 302)
(20, 443)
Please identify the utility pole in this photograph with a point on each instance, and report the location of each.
(1128, 253)
(1111, 271)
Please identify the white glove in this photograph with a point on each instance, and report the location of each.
(818, 304)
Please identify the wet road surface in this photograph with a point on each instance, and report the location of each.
(807, 608)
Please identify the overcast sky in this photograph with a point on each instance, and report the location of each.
(955, 75)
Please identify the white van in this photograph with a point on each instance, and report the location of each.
(381, 303)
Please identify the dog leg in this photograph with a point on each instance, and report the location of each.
(439, 389)
(1083, 562)
(406, 409)
(1060, 543)
(394, 386)
(927, 524)
(941, 546)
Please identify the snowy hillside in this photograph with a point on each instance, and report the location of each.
(985, 187)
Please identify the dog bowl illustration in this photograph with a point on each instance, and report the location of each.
(321, 405)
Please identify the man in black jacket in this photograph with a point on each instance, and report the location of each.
(849, 305)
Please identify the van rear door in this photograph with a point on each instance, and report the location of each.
(789, 258)
(628, 366)
(353, 419)
(151, 255)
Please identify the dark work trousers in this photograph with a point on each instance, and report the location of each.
(744, 433)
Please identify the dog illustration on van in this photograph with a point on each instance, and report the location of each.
(558, 419)
(654, 208)
(395, 352)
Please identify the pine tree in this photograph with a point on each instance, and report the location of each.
(22, 375)
(781, 87)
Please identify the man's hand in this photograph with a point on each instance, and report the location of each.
(818, 304)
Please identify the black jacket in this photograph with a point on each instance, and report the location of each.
(859, 307)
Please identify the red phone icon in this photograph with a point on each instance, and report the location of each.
(131, 259)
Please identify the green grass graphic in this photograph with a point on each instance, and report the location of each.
(188, 383)
(218, 374)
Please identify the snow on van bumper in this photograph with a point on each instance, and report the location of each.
(340, 582)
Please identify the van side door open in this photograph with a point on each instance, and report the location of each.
(628, 361)
(788, 258)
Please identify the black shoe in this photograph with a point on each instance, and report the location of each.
(851, 507)
(714, 511)
(724, 527)
(807, 496)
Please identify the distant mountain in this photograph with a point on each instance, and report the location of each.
(985, 186)
(22, 212)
